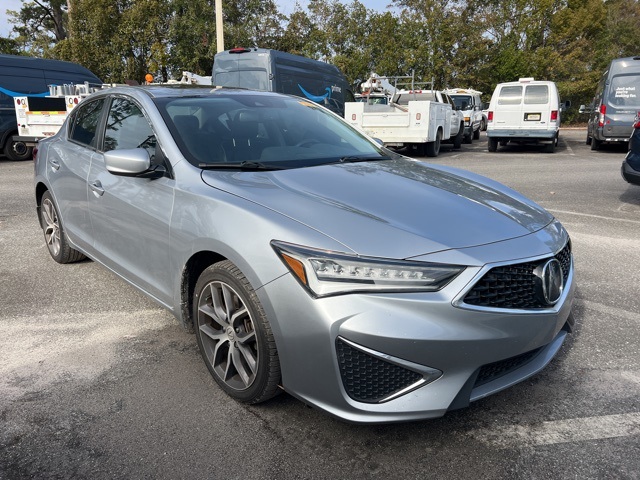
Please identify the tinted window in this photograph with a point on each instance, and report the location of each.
(405, 98)
(536, 95)
(127, 127)
(462, 101)
(84, 124)
(624, 91)
(253, 79)
(511, 95)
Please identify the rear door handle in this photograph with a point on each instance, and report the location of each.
(54, 164)
(96, 186)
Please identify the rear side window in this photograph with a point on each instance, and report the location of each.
(536, 95)
(84, 124)
(624, 91)
(510, 95)
(405, 98)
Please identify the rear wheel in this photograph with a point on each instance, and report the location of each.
(433, 148)
(234, 335)
(595, 143)
(492, 144)
(550, 147)
(54, 234)
(17, 151)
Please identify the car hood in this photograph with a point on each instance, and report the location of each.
(395, 208)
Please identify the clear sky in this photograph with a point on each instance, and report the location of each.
(285, 6)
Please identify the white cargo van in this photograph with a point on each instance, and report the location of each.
(526, 111)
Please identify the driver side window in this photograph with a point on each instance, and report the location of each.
(127, 127)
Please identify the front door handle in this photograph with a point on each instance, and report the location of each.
(96, 186)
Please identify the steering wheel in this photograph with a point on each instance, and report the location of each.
(307, 142)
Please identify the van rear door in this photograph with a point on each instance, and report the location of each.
(622, 102)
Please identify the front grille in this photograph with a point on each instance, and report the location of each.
(369, 379)
(495, 370)
(514, 286)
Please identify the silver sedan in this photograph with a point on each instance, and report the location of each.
(305, 257)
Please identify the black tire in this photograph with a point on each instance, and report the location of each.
(483, 124)
(550, 147)
(476, 134)
(54, 234)
(468, 138)
(432, 149)
(17, 151)
(238, 349)
(492, 144)
(588, 141)
(420, 148)
(457, 140)
(595, 143)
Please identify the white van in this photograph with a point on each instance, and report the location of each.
(526, 111)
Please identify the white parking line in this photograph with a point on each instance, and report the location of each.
(624, 220)
(560, 431)
(566, 144)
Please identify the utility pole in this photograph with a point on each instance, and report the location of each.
(219, 31)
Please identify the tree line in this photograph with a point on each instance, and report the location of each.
(457, 43)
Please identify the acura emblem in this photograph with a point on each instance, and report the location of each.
(551, 281)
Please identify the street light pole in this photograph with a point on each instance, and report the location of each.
(219, 31)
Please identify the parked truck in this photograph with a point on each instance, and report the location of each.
(41, 117)
(418, 118)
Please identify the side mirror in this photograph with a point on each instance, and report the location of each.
(133, 162)
(585, 109)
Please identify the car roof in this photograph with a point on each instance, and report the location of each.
(182, 90)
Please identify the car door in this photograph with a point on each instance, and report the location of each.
(131, 215)
(68, 165)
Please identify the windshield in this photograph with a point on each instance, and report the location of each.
(624, 91)
(251, 129)
(462, 101)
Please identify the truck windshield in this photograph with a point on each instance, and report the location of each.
(276, 131)
(624, 91)
(462, 101)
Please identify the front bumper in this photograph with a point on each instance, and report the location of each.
(454, 347)
(629, 174)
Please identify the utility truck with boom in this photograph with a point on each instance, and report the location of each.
(417, 117)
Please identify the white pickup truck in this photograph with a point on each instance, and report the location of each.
(420, 119)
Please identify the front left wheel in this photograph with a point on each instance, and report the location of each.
(234, 335)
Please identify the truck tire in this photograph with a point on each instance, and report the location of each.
(17, 151)
(492, 144)
(476, 134)
(433, 148)
(550, 147)
(468, 138)
(457, 140)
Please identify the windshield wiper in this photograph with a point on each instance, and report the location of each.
(357, 158)
(238, 166)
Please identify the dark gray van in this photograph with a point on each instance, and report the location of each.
(615, 104)
(27, 76)
(275, 71)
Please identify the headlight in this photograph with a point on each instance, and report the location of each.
(324, 272)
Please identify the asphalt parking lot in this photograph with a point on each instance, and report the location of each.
(98, 382)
